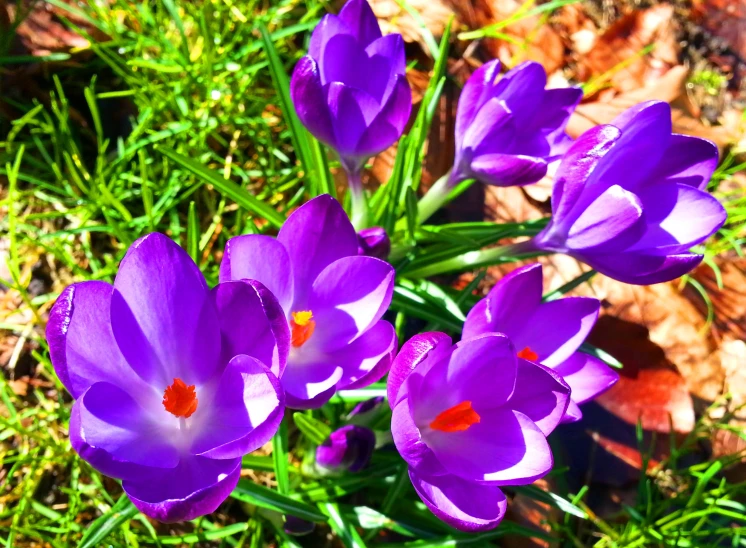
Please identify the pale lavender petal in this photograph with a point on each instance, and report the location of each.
(81, 343)
(508, 306)
(573, 413)
(478, 89)
(309, 100)
(197, 486)
(315, 235)
(678, 217)
(359, 17)
(252, 322)
(540, 394)
(414, 352)
(688, 160)
(505, 447)
(508, 169)
(641, 269)
(368, 358)
(112, 421)
(611, 222)
(557, 328)
(586, 375)
(409, 442)
(310, 380)
(349, 296)
(162, 314)
(243, 413)
(465, 505)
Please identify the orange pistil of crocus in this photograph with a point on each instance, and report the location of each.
(528, 354)
(456, 419)
(180, 400)
(301, 327)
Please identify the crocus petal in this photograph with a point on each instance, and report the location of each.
(508, 306)
(387, 59)
(112, 421)
(315, 235)
(557, 328)
(368, 357)
(308, 377)
(688, 160)
(477, 90)
(414, 352)
(81, 343)
(522, 89)
(481, 370)
(162, 314)
(243, 414)
(557, 105)
(360, 19)
(465, 505)
(646, 130)
(678, 217)
(374, 242)
(573, 413)
(505, 447)
(345, 60)
(409, 443)
(348, 448)
(349, 296)
(540, 394)
(309, 100)
(508, 169)
(194, 488)
(611, 222)
(389, 124)
(491, 130)
(586, 375)
(642, 269)
(578, 163)
(252, 322)
(329, 26)
(352, 110)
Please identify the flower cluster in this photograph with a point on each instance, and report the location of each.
(174, 382)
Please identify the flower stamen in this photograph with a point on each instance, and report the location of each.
(302, 327)
(528, 354)
(456, 419)
(180, 400)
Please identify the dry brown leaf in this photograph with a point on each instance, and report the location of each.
(394, 18)
(41, 32)
(729, 303)
(627, 454)
(533, 514)
(618, 50)
(726, 19)
(538, 41)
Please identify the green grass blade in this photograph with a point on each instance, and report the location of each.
(263, 497)
(316, 431)
(97, 531)
(280, 458)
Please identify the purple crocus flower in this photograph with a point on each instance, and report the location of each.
(545, 332)
(173, 383)
(374, 242)
(470, 418)
(507, 129)
(630, 198)
(348, 448)
(333, 300)
(350, 90)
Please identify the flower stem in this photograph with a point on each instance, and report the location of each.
(357, 197)
(435, 197)
(476, 259)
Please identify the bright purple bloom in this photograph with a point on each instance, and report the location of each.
(298, 526)
(169, 377)
(630, 198)
(333, 300)
(549, 333)
(350, 90)
(509, 128)
(366, 406)
(348, 448)
(374, 242)
(470, 418)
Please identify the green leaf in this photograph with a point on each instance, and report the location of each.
(228, 188)
(569, 286)
(97, 531)
(263, 497)
(315, 430)
(602, 355)
(280, 458)
(557, 501)
(343, 528)
(193, 233)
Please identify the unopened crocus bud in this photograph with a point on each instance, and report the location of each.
(374, 242)
(298, 526)
(348, 448)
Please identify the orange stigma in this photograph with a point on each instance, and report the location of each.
(456, 419)
(301, 327)
(180, 400)
(528, 354)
